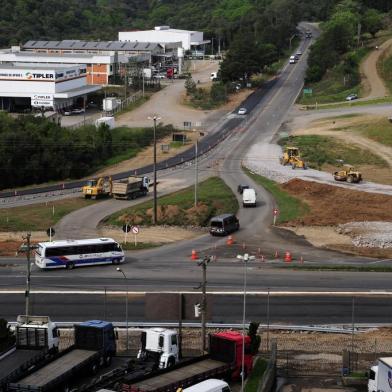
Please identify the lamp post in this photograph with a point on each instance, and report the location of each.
(245, 258)
(126, 305)
(154, 218)
(27, 247)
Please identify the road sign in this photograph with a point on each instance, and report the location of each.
(135, 230)
(127, 228)
(50, 232)
(308, 91)
(275, 211)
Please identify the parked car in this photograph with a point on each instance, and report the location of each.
(240, 188)
(351, 97)
(159, 76)
(242, 111)
(70, 112)
(299, 53)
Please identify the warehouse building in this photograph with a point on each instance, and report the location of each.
(47, 87)
(190, 40)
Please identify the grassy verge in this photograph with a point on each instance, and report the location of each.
(334, 87)
(320, 150)
(342, 268)
(256, 376)
(177, 209)
(384, 68)
(379, 131)
(39, 216)
(290, 208)
(377, 101)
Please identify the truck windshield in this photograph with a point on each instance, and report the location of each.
(91, 183)
(216, 223)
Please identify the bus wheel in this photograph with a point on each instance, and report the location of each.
(70, 265)
(116, 261)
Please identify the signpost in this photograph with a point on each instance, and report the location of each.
(275, 213)
(126, 229)
(308, 91)
(50, 232)
(135, 231)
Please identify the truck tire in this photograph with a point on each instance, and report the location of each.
(171, 362)
(350, 179)
(108, 361)
(70, 265)
(94, 368)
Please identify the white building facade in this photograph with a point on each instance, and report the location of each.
(163, 35)
(54, 86)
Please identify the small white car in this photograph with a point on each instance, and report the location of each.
(242, 111)
(159, 76)
(351, 97)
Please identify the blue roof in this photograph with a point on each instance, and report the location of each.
(96, 324)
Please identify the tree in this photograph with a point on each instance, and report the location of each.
(372, 21)
(190, 86)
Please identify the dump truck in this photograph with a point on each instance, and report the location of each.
(96, 188)
(224, 360)
(130, 188)
(94, 347)
(292, 156)
(36, 341)
(349, 174)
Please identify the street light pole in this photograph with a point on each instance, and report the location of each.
(196, 169)
(245, 259)
(126, 305)
(154, 218)
(28, 283)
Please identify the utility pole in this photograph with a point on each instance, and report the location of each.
(154, 218)
(27, 248)
(196, 169)
(203, 307)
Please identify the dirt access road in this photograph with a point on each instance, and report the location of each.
(372, 84)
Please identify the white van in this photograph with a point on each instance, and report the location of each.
(211, 385)
(292, 60)
(249, 197)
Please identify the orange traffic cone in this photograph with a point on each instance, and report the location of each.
(262, 258)
(287, 257)
(276, 255)
(301, 260)
(194, 255)
(230, 240)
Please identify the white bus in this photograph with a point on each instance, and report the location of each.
(72, 253)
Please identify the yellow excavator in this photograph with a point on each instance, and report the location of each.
(95, 188)
(349, 174)
(291, 156)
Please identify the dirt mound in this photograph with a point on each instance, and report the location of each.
(330, 205)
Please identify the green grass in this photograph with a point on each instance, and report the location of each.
(178, 144)
(256, 377)
(320, 150)
(39, 216)
(384, 67)
(290, 208)
(177, 209)
(379, 131)
(334, 87)
(377, 101)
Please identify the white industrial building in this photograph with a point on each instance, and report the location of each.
(190, 40)
(53, 86)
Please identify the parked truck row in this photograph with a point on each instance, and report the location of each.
(128, 188)
(157, 367)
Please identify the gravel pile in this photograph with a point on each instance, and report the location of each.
(368, 234)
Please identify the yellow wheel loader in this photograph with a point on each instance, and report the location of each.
(349, 174)
(291, 156)
(95, 188)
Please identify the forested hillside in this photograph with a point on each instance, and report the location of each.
(21, 20)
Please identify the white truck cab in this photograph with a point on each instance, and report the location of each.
(372, 381)
(161, 342)
(249, 197)
(380, 376)
(211, 385)
(36, 332)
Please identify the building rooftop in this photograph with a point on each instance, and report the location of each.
(39, 67)
(92, 45)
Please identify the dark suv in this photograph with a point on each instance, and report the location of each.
(224, 224)
(240, 188)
